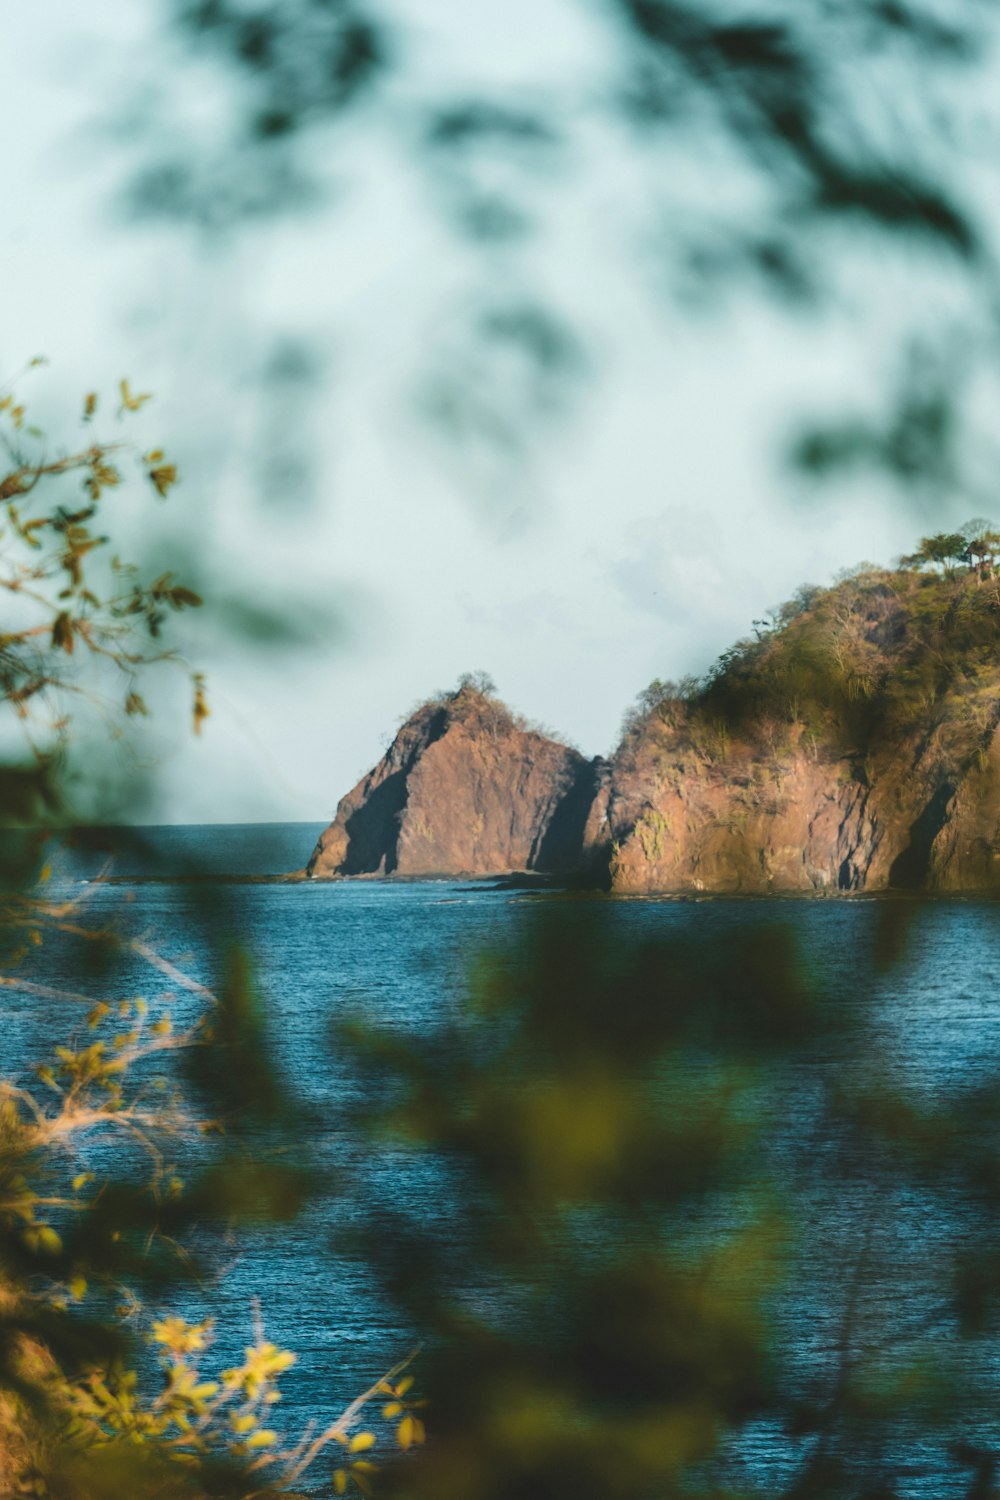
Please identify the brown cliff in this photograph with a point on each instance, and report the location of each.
(852, 745)
(465, 788)
(800, 822)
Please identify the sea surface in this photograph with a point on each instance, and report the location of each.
(400, 954)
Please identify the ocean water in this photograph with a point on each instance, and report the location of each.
(400, 954)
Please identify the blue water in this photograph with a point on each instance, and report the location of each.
(400, 953)
(175, 850)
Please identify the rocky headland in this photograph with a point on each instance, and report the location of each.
(850, 745)
(466, 788)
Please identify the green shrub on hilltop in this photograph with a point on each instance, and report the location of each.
(881, 654)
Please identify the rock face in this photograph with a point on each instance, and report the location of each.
(465, 788)
(799, 824)
(855, 747)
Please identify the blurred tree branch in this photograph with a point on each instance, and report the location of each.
(787, 146)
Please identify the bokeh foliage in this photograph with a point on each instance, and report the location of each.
(646, 1173)
(605, 1307)
(695, 1233)
(830, 159)
(148, 1136)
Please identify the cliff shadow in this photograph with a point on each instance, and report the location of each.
(910, 868)
(560, 848)
(373, 830)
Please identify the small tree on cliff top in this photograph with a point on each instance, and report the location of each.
(944, 549)
(476, 682)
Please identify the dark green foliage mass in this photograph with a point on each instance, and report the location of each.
(650, 1180)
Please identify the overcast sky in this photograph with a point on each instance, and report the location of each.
(646, 523)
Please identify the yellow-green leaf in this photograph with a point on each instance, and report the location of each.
(404, 1433)
(130, 400)
(262, 1439)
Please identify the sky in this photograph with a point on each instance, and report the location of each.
(645, 521)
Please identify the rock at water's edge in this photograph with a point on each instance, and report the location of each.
(465, 789)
